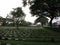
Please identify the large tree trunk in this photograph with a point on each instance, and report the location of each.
(50, 23)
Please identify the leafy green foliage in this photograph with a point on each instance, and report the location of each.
(18, 15)
(24, 3)
(48, 8)
(29, 34)
(43, 20)
(17, 12)
(25, 23)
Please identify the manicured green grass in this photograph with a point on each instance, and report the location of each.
(12, 42)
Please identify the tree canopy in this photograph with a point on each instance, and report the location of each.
(43, 20)
(18, 15)
(48, 8)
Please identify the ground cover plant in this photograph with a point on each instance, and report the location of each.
(24, 33)
(28, 35)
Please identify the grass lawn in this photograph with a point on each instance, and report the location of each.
(12, 42)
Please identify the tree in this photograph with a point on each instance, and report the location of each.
(1, 20)
(43, 20)
(25, 23)
(48, 8)
(4, 23)
(18, 15)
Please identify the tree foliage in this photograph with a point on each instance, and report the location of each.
(48, 8)
(18, 15)
(43, 20)
(25, 23)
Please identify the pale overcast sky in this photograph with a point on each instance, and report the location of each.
(7, 5)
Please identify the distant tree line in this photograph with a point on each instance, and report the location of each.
(9, 22)
(16, 18)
